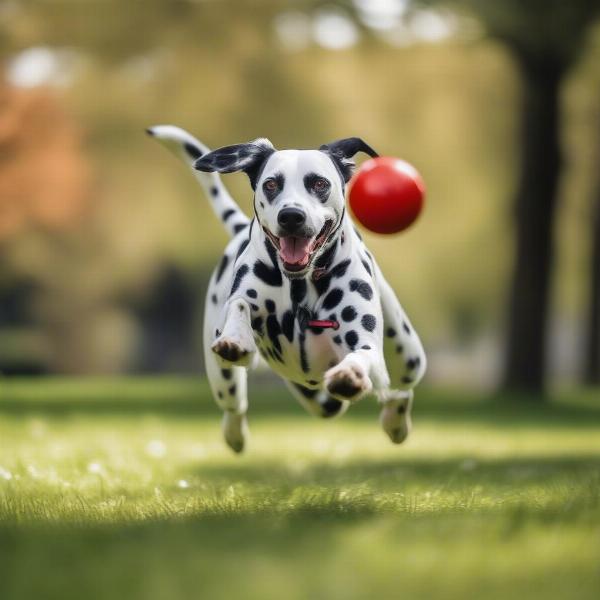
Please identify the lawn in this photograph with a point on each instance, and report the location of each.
(124, 490)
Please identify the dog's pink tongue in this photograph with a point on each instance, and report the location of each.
(294, 251)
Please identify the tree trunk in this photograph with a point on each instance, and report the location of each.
(592, 356)
(535, 209)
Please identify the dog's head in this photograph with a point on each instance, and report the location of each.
(298, 194)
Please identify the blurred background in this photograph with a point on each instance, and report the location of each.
(106, 243)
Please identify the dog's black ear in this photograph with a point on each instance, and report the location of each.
(341, 151)
(249, 158)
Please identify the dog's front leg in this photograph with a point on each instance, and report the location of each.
(235, 344)
(357, 374)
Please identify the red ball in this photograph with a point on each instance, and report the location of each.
(386, 194)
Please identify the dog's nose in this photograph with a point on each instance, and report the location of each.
(291, 219)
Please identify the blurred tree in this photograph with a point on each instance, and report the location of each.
(592, 354)
(44, 176)
(44, 191)
(544, 38)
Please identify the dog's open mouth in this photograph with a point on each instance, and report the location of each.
(296, 253)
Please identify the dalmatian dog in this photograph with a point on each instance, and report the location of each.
(297, 286)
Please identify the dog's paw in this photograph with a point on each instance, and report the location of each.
(395, 417)
(235, 431)
(347, 382)
(234, 351)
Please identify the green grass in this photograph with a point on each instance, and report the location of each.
(123, 489)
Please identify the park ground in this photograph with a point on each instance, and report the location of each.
(124, 490)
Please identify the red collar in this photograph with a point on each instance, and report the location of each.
(316, 323)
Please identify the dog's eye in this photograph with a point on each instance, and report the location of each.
(320, 184)
(270, 185)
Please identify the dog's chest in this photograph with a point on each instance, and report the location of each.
(292, 349)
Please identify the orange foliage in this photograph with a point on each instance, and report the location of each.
(44, 176)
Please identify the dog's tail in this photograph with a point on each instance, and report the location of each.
(189, 149)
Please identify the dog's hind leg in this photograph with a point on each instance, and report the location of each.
(317, 402)
(405, 361)
(228, 386)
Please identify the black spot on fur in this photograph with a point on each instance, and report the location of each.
(303, 315)
(214, 190)
(237, 228)
(365, 347)
(367, 267)
(228, 213)
(413, 363)
(349, 314)
(231, 390)
(254, 307)
(351, 339)
(306, 392)
(368, 322)
(340, 269)
(251, 293)
(257, 324)
(358, 233)
(222, 267)
(226, 373)
(333, 298)
(325, 259)
(331, 407)
(297, 290)
(322, 284)
(214, 298)
(270, 305)
(405, 327)
(269, 275)
(362, 287)
(390, 332)
(287, 325)
(192, 150)
(303, 357)
(399, 349)
(242, 247)
(239, 276)
(337, 339)
(273, 330)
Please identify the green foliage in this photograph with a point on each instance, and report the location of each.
(109, 491)
(540, 28)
